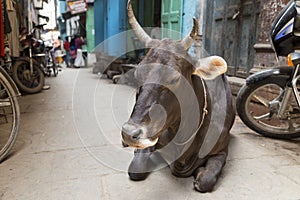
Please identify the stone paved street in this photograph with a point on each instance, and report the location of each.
(69, 147)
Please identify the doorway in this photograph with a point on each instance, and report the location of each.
(231, 32)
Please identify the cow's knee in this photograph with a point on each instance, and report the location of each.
(206, 177)
(140, 166)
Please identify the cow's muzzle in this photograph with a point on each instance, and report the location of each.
(136, 136)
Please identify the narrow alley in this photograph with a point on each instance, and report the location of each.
(69, 147)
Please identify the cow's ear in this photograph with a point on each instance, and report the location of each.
(210, 67)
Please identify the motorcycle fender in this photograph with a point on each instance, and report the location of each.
(281, 74)
(25, 59)
(11, 82)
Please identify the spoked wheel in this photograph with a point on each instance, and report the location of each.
(257, 106)
(26, 81)
(9, 117)
(47, 70)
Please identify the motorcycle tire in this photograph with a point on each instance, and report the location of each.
(248, 107)
(24, 80)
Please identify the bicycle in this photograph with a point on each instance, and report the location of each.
(9, 113)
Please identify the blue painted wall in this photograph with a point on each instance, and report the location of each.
(110, 20)
(190, 11)
(99, 21)
(62, 23)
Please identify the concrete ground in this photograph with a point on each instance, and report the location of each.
(69, 147)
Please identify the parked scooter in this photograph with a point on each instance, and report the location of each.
(269, 102)
(26, 70)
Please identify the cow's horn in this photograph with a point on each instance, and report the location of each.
(138, 30)
(189, 40)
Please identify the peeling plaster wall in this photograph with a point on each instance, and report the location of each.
(268, 12)
(264, 56)
(194, 8)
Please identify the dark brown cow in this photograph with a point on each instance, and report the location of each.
(183, 111)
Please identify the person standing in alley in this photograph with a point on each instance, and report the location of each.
(79, 61)
(67, 49)
(72, 51)
(57, 44)
(79, 41)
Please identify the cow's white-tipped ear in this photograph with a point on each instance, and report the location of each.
(210, 67)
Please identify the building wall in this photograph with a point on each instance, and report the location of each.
(265, 57)
(189, 11)
(90, 28)
(269, 10)
(110, 22)
(99, 21)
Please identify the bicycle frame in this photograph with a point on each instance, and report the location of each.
(10, 81)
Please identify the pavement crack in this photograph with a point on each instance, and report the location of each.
(59, 150)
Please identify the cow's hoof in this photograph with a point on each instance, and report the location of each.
(204, 182)
(204, 187)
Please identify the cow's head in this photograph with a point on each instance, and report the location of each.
(163, 70)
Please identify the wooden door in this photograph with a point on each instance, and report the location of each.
(230, 32)
(171, 18)
(90, 28)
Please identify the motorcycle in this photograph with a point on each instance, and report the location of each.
(26, 70)
(269, 101)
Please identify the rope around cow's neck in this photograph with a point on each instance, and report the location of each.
(205, 112)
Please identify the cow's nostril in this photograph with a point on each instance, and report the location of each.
(136, 134)
(131, 133)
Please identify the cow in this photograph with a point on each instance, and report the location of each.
(183, 111)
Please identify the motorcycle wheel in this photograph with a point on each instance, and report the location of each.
(27, 82)
(257, 106)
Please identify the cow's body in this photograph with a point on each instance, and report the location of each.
(179, 116)
(197, 155)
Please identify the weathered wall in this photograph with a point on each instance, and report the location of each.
(269, 10)
(264, 56)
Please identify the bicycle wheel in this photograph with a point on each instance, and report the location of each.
(9, 117)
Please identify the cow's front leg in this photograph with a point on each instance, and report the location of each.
(141, 165)
(206, 177)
